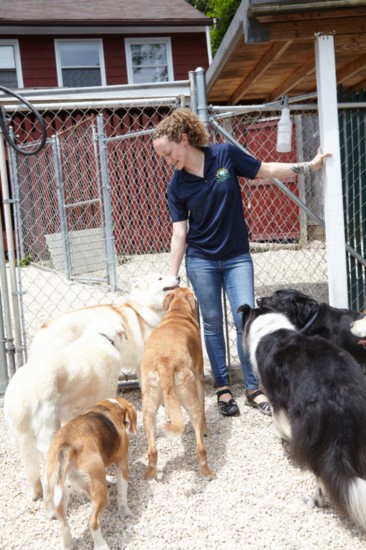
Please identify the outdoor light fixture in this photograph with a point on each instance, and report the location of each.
(284, 128)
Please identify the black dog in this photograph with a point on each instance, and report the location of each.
(314, 318)
(318, 396)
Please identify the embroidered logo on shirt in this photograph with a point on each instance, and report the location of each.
(222, 174)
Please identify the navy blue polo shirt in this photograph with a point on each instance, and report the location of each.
(213, 204)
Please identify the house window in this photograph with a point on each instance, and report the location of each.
(10, 67)
(80, 63)
(149, 60)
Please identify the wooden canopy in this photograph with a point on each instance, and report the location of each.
(268, 51)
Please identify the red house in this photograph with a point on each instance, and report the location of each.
(90, 43)
(64, 43)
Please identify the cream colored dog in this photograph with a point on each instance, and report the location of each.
(172, 373)
(78, 456)
(140, 312)
(74, 362)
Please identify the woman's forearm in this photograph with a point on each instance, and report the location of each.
(286, 170)
(178, 247)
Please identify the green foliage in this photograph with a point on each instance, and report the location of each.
(201, 5)
(24, 261)
(222, 11)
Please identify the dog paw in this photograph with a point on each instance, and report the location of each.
(125, 512)
(37, 492)
(69, 544)
(150, 473)
(210, 477)
(51, 514)
(315, 501)
(111, 480)
(309, 501)
(206, 474)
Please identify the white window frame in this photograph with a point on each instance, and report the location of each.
(151, 40)
(18, 63)
(59, 67)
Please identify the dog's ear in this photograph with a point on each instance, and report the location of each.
(305, 307)
(167, 301)
(121, 332)
(192, 301)
(138, 283)
(245, 309)
(131, 419)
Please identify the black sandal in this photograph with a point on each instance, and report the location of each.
(264, 407)
(227, 408)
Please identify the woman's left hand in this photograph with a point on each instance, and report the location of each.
(318, 160)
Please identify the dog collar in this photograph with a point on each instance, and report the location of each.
(310, 322)
(109, 339)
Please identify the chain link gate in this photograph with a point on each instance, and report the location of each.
(97, 178)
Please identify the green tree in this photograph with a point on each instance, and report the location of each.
(201, 5)
(222, 11)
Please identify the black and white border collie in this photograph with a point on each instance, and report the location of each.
(318, 396)
(317, 319)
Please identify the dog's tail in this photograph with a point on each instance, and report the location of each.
(346, 490)
(356, 505)
(63, 464)
(171, 401)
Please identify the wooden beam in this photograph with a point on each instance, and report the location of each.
(351, 68)
(282, 8)
(311, 16)
(296, 30)
(305, 69)
(275, 52)
(355, 43)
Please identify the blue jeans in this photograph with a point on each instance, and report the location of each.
(208, 278)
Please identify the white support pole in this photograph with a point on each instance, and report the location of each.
(332, 175)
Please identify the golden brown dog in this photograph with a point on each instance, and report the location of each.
(172, 373)
(78, 456)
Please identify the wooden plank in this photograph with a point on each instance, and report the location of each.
(351, 68)
(305, 69)
(302, 29)
(315, 14)
(273, 53)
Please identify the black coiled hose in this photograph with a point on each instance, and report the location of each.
(5, 131)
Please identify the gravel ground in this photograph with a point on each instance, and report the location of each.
(255, 502)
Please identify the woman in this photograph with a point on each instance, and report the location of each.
(206, 208)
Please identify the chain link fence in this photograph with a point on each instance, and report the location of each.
(90, 209)
(352, 126)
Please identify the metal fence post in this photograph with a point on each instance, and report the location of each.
(4, 378)
(107, 206)
(19, 240)
(202, 108)
(11, 254)
(61, 207)
(193, 91)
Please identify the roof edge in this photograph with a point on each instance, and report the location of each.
(112, 23)
(230, 40)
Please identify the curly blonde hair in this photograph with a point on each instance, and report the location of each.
(183, 121)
